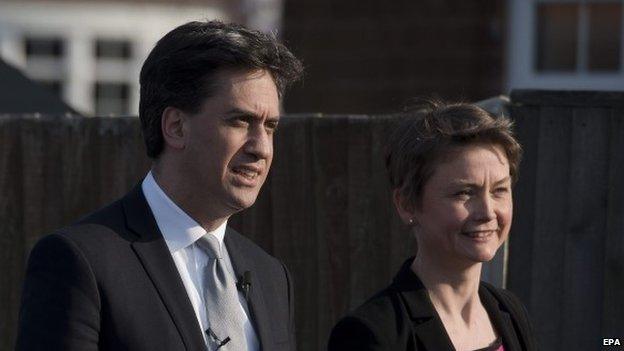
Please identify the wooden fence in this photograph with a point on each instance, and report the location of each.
(566, 259)
(326, 211)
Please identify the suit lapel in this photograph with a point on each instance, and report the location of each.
(426, 323)
(257, 305)
(158, 263)
(501, 320)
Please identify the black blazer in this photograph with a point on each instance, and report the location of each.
(402, 318)
(109, 282)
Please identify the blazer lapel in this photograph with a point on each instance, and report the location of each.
(157, 261)
(501, 320)
(426, 323)
(257, 305)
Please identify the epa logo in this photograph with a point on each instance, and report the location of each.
(611, 342)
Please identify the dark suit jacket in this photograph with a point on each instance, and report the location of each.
(402, 318)
(109, 282)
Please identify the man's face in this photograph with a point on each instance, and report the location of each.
(229, 143)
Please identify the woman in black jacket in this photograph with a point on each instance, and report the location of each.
(452, 168)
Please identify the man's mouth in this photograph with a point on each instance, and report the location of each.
(246, 172)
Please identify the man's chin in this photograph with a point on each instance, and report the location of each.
(240, 203)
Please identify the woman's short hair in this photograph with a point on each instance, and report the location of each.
(427, 133)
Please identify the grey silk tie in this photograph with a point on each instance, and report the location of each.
(225, 316)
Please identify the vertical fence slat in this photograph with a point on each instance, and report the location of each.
(550, 224)
(399, 240)
(31, 137)
(520, 272)
(612, 306)
(12, 250)
(294, 232)
(364, 261)
(583, 248)
(330, 183)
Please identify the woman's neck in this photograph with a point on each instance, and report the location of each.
(453, 288)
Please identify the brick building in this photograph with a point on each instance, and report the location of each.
(374, 56)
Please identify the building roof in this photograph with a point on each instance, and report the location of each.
(19, 94)
(166, 2)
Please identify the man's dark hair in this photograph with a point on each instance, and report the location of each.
(181, 69)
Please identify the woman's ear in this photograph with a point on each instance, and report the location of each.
(404, 207)
(172, 126)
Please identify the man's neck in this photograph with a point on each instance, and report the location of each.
(183, 198)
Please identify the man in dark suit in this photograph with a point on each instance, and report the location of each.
(159, 269)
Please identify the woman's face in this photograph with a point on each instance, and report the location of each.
(466, 208)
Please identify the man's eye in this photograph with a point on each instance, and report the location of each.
(240, 122)
(271, 126)
(463, 193)
(501, 190)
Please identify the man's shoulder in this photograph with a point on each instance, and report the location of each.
(107, 222)
(101, 229)
(251, 250)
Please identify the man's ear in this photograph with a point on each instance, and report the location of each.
(172, 126)
(405, 208)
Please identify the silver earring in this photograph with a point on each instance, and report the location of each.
(411, 221)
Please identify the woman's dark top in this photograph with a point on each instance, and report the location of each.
(402, 317)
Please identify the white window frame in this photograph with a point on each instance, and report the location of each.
(521, 65)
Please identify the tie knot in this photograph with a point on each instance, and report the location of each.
(211, 245)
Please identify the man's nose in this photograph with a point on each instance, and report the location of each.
(260, 143)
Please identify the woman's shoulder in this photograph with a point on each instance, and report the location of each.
(386, 304)
(378, 324)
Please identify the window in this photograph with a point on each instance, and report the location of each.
(605, 36)
(44, 47)
(113, 49)
(111, 98)
(578, 36)
(565, 44)
(557, 41)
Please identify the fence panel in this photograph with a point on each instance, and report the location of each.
(326, 209)
(566, 250)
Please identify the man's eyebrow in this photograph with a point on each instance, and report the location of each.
(238, 112)
(504, 180)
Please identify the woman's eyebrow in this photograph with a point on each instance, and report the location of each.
(462, 182)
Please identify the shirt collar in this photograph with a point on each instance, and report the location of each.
(178, 228)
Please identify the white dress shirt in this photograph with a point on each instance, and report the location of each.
(180, 232)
